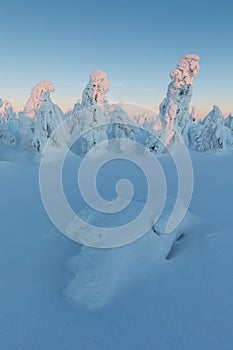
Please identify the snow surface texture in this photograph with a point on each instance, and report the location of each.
(179, 303)
(101, 275)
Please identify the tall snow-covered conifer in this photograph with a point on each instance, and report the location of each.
(121, 127)
(48, 117)
(174, 109)
(90, 113)
(36, 98)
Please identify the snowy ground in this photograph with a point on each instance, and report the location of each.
(130, 297)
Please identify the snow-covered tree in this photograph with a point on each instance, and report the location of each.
(8, 111)
(95, 91)
(9, 125)
(74, 119)
(34, 102)
(18, 129)
(26, 130)
(2, 117)
(138, 119)
(7, 138)
(13, 122)
(149, 122)
(146, 121)
(229, 122)
(91, 112)
(174, 110)
(121, 126)
(211, 134)
(155, 142)
(215, 116)
(48, 117)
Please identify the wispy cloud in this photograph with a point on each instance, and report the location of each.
(148, 89)
(117, 85)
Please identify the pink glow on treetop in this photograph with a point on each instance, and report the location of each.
(187, 68)
(95, 91)
(36, 98)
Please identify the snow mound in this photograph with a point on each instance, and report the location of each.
(101, 275)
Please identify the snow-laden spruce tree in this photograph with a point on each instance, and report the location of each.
(95, 91)
(221, 136)
(3, 116)
(138, 119)
(91, 112)
(26, 130)
(215, 116)
(48, 117)
(8, 111)
(155, 142)
(13, 122)
(146, 121)
(174, 109)
(121, 127)
(211, 134)
(94, 110)
(36, 98)
(159, 139)
(94, 102)
(9, 125)
(149, 122)
(15, 130)
(229, 122)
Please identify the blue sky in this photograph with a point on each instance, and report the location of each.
(136, 43)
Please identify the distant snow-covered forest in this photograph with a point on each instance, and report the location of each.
(32, 127)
